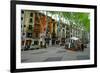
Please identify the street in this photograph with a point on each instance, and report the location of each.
(54, 53)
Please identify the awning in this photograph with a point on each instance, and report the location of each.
(74, 38)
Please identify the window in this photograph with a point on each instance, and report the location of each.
(31, 14)
(29, 35)
(63, 25)
(71, 35)
(24, 25)
(63, 30)
(21, 18)
(22, 12)
(30, 26)
(36, 42)
(30, 20)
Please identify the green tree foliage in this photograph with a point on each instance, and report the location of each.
(81, 19)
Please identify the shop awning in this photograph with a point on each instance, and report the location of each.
(74, 38)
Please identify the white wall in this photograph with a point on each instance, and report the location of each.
(5, 37)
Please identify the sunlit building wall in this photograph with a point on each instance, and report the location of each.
(27, 19)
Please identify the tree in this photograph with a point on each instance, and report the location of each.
(79, 18)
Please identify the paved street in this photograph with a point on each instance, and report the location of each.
(54, 53)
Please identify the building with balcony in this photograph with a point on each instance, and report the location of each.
(38, 28)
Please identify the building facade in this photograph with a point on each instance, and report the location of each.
(40, 29)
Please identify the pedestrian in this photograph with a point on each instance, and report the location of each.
(82, 47)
